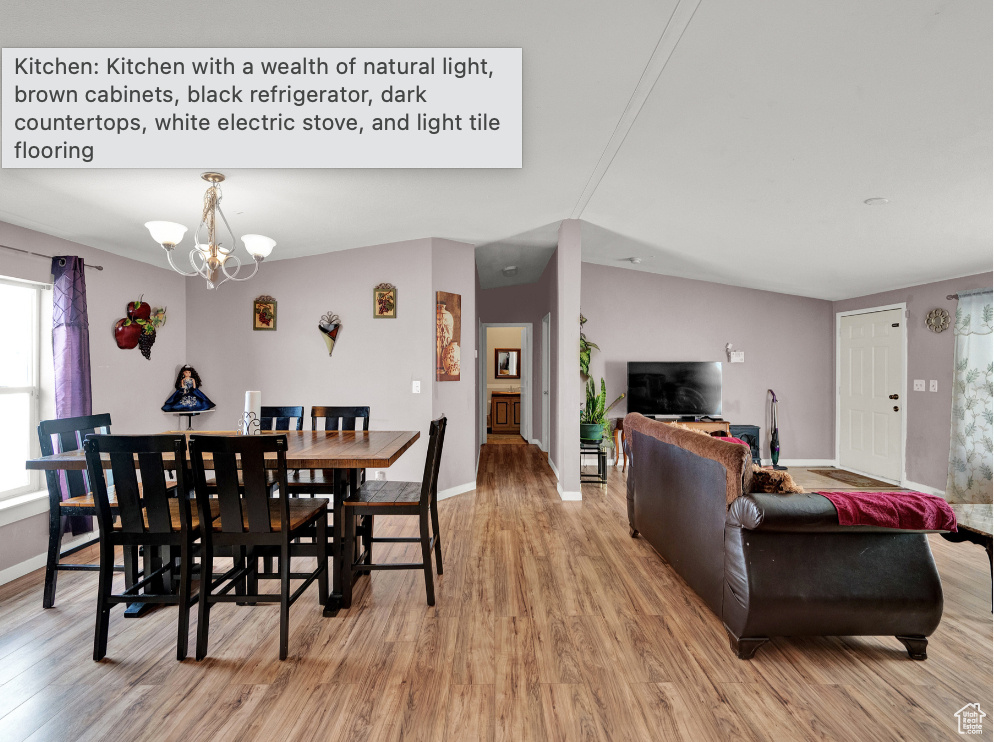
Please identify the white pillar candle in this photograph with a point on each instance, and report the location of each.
(253, 406)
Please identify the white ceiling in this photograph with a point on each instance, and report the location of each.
(748, 163)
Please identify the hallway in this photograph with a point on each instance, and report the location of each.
(551, 624)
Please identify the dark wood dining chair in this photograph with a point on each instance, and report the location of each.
(281, 418)
(380, 498)
(58, 436)
(339, 418)
(252, 523)
(318, 481)
(145, 515)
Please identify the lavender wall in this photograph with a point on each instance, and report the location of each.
(124, 384)
(638, 316)
(374, 360)
(454, 270)
(529, 303)
(930, 356)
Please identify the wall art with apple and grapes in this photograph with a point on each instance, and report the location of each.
(139, 328)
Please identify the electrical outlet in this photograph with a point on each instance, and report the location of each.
(738, 356)
(415, 387)
(919, 385)
(933, 385)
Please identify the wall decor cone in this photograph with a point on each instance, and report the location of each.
(330, 325)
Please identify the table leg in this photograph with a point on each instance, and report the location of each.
(334, 603)
(153, 558)
(617, 447)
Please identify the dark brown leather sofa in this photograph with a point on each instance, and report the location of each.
(770, 564)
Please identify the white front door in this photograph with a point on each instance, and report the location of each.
(871, 393)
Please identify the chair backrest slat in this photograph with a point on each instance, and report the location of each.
(339, 418)
(143, 508)
(246, 504)
(129, 498)
(228, 495)
(155, 497)
(281, 418)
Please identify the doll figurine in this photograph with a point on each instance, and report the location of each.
(187, 397)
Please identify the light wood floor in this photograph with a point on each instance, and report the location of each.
(551, 624)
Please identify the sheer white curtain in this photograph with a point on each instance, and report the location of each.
(970, 457)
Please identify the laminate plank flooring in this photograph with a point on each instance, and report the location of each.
(551, 623)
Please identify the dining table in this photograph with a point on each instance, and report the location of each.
(339, 454)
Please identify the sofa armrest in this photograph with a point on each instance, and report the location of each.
(799, 513)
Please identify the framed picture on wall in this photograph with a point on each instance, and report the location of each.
(385, 301)
(507, 363)
(448, 335)
(264, 313)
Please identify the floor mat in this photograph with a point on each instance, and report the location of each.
(853, 480)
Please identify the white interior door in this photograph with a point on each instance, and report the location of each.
(546, 379)
(871, 393)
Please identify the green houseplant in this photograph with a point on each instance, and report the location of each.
(585, 349)
(593, 418)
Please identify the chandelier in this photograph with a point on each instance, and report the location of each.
(211, 260)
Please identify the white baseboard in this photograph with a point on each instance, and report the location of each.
(457, 490)
(38, 562)
(553, 467)
(908, 484)
(813, 463)
(536, 442)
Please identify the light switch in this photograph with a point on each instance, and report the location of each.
(738, 356)
(919, 385)
(933, 385)
(416, 387)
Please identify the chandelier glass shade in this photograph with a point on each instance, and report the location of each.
(212, 260)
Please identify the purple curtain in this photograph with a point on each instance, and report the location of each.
(71, 348)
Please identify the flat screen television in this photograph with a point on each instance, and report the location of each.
(675, 388)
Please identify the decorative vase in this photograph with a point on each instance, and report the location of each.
(591, 431)
(444, 325)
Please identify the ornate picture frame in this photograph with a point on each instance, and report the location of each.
(385, 301)
(264, 313)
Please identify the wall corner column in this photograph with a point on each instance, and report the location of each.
(570, 396)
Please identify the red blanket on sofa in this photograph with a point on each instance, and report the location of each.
(913, 511)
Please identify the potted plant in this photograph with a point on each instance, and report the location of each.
(593, 418)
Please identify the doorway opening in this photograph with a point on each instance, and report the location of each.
(506, 382)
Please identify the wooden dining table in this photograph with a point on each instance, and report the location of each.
(340, 454)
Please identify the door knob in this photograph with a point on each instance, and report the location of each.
(896, 408)
(893, 396)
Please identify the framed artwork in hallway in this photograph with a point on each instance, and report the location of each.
(507, 363)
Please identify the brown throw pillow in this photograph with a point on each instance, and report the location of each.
(770, 480)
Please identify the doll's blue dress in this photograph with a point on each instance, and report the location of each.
(187, 399)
